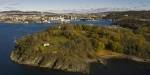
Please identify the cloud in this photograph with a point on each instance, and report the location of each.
(3, 2)
(9, 8)
(8, 4)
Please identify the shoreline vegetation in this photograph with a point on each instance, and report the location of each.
(73, 47)
(106, 54)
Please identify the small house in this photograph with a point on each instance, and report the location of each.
(46, 44)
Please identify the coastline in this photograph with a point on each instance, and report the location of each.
(106, 55)
(102, 60)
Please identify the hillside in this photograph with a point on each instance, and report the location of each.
(131, 14)
(72, 47)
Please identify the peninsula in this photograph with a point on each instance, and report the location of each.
(73, 47)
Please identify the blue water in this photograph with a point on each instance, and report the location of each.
(10, 32)
(93, 22)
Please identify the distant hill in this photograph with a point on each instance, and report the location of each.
(131, 14)
(130, 19)
(26, 13)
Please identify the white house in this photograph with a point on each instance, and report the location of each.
(46, 44)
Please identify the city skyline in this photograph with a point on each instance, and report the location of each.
(43, 5)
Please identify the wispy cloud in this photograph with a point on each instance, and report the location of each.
(4, 2)
(8, 4)
(73, 4)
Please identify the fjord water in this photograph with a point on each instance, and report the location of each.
(11, 32)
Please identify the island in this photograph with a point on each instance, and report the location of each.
(72, 48)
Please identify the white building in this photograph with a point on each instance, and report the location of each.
(46, 44)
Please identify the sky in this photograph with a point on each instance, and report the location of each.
(43, 5)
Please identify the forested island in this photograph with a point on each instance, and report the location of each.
(73, 47)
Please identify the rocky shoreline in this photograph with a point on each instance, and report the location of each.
(82, 68)
(55, 64)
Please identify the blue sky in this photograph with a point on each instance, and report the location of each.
(71, 4)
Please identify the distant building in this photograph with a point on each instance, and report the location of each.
(126, 15)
